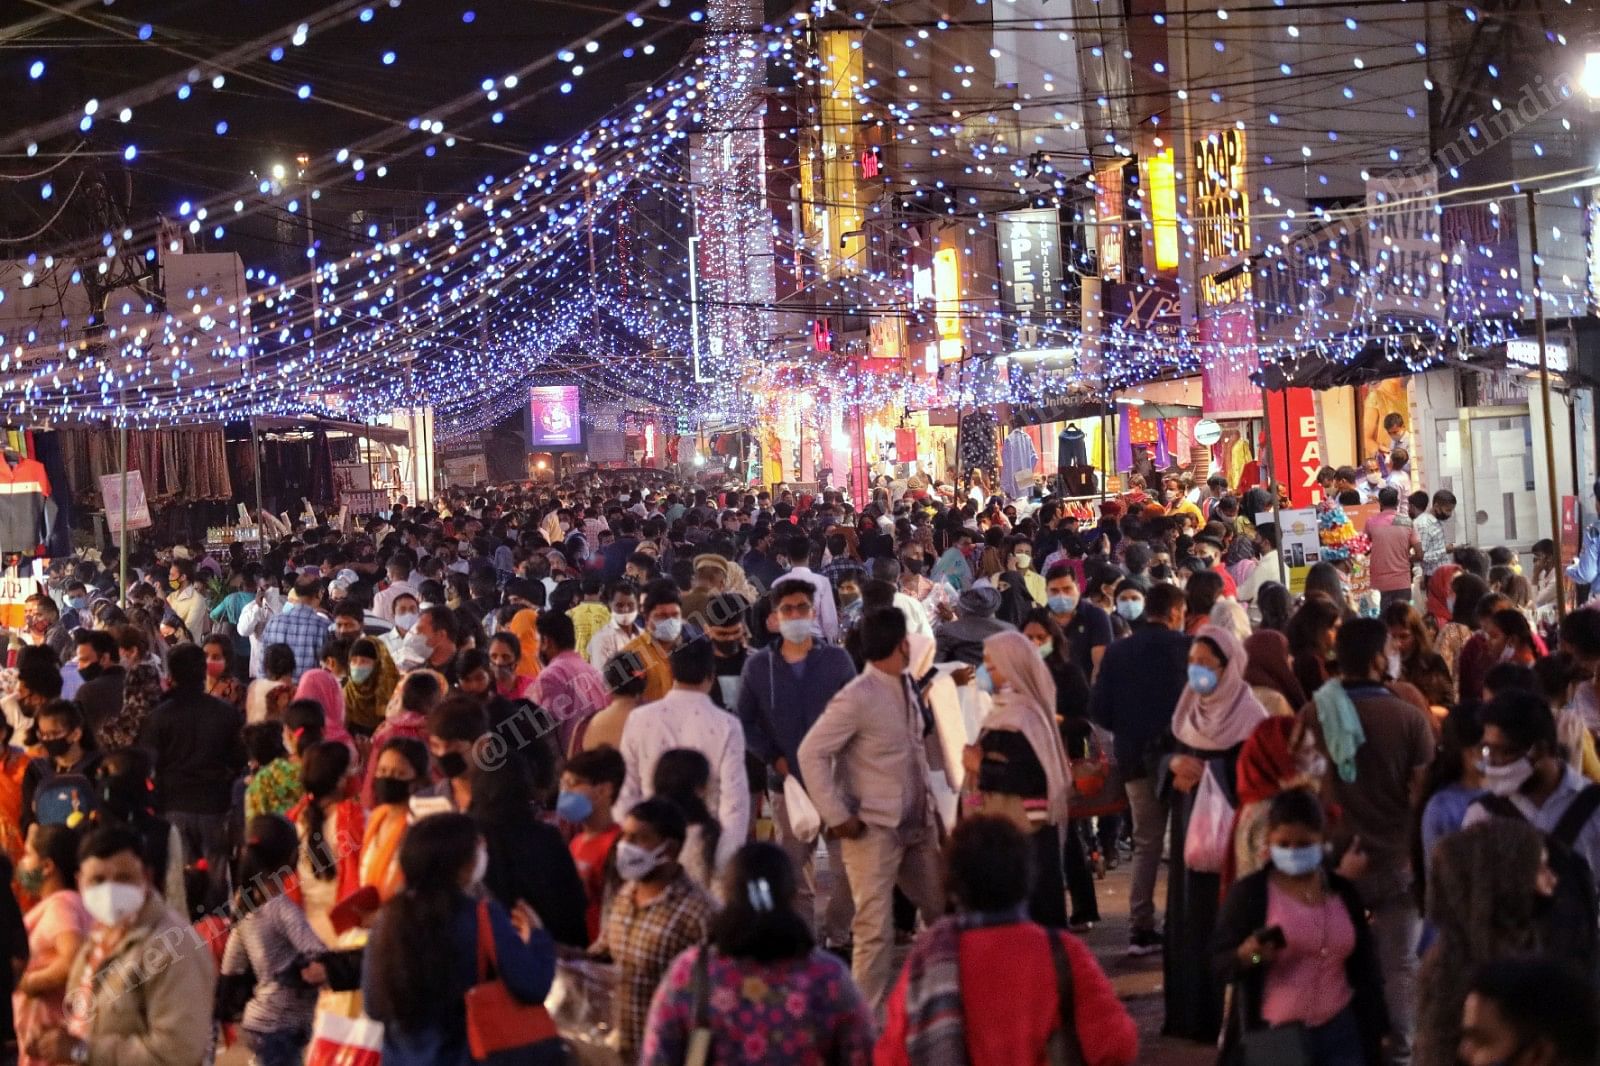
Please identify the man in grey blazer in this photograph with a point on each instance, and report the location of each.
(865, 762)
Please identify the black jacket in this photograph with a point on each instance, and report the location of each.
(198, 747)
(1136, 691)
(1243, 912)
(101, 698)
(530, 861)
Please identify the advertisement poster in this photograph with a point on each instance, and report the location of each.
(1297, 450)
(138, 509)
(555, 417)
(1299, 543)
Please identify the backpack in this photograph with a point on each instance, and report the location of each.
(64, 799)
(1567, 926)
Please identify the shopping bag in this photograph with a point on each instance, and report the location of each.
(497, 1021)
(804, 820)
(1210, 832)
(580, 1001)
(341, 1041)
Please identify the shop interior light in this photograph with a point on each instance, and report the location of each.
(1589, 80)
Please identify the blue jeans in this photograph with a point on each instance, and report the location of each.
(282, 1047)
(1337, 1043)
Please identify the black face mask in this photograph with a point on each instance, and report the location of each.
(92, 671)
(727, 647)
(56, 747)
(390, 790)
(452, 764)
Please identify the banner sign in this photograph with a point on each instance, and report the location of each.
(1030, 274)
(138, 509)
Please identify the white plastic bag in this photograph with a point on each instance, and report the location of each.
(804, 820)
(1210, 832)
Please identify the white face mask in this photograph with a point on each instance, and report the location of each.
(111, 903)
(634, 863)
(405, 623)
(625, 618)
(1394, 665)
(1500, 780)
(480, 866)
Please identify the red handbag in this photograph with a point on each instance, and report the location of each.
(496, 1020)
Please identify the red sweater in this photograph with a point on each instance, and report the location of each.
(1010, 1006)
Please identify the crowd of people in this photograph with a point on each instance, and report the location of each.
(804, 782)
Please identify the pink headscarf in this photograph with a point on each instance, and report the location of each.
(1231, 713)
(1027, 705)
(322, 686)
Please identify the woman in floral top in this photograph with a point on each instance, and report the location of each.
(141, 689)
(276, 787)
(772, 996)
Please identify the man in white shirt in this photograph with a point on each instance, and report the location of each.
(1266, 568)
(916, 616)
(399, 570)
(253, 619)
(622, 628)
(799, 551)
(686, 718)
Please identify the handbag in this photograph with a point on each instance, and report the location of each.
(1096, 785)
(496, 1020)
(1269, 1045)
(1210, 833)
(340, 1041)
(1063, 1049)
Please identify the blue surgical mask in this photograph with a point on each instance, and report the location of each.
(796, 630)
(1061, 603)
(985, 682)
(1296, 862)
(667, 629)
(574, 806)
(359, 674)
(77, 603)
(1203, 679)
(1131, 610)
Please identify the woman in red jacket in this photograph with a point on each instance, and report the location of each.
(331, 822)
(982, 986)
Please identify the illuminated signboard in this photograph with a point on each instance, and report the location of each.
(555, 417)
(1220, 207)
(1162, 189)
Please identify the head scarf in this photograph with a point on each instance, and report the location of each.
(523, 625)
(1266, 762)
(1228, 614)
(1268, 666)
(1439, 592)
(1026, 705)
(1226, 717)
(364, 703)
(324, 688)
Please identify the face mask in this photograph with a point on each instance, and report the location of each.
(1297, 862)
(56, 747)
(111, 903)
(1506, 780)
(480, 866)
(1394, 665)
(78, 603)
(911, 566)
(175, 585)
(848, 598)
(31, 879)
(216, 669)
(1024, 561)
(359, 674)
(985, 681)
(405, 622)
(625, 618)
(1450, 604)
(1373, 479)
(667, 630)
(1203, 679)
(1131, 610)
(1061, 603)
(452, 764)
(388, 791)
(1506, 653)
(574, 806)
(795, 630)
(90, 672)
(635, 863)
(1046, 649)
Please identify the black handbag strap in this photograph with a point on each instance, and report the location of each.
(1066, 1000)
(700, 990)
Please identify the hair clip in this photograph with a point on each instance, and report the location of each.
(760, 893)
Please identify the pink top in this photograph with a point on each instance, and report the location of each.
(1306, 982)
(1389, 565)
(570, 690)
(58, 913)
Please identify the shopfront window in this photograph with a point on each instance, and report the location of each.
(1491, 472)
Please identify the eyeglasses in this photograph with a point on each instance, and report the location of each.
(1501, 754)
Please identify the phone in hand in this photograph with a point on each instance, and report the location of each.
(1271, 934)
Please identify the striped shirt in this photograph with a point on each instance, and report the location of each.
(273, 942)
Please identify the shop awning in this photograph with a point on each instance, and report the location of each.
(295, 427)
(1375, 362)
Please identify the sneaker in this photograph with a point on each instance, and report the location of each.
(1145, 942)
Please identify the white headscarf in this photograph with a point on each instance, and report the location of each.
(1027, 705)
(1231, 713)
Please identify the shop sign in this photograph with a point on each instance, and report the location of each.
(138, 508)
(1220, 211)
(1030, 274)
(1405, 274)
(1226, 388)
(1207, 432)
(364, 503)
(1297, 449)
(1525, 351)
(1107, 213)
(1298, 542)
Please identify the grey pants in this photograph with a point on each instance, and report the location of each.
(1149, 827)
(1396, 925)
(837, 908)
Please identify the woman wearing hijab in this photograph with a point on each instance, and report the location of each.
(372, 681)
(321, 685)
(1266, 768)
(1020, 764)
(1439, 596)
(1215, 715)
(1269, 674)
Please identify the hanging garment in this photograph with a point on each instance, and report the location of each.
(1017, 462)
(1072, 447)
(24, 491)
(1078, 481)
(978, 444)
